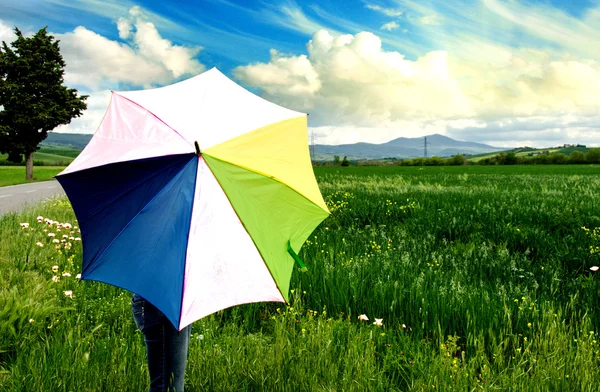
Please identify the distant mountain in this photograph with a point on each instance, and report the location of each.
(402, 147)
(437, 145)
(71, 140)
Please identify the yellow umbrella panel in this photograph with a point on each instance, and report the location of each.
(268, 178)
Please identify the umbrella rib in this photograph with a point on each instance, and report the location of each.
(186, 248)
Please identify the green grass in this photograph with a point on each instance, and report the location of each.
(480, 274)
(14, 175)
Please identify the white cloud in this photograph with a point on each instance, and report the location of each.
(96, 64)
(390, 26)
(354, 81)
(6, 33)
(146, 59)
(292, 76)
(386, 11)
(289, 15)
(124, 26)
(178, 60)
(94, 61)
(553, 25)
(97, 103)
(430, 20)
(350, 83)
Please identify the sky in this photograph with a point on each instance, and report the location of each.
(507, 73)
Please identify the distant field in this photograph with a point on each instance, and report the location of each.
(52, 155)
(61, 152)
(415, 171)
(523, 152)
(14, 175)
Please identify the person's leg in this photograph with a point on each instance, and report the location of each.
(165, 346)
(176, 349)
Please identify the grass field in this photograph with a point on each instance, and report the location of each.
(52, 156)
(14, 175)
(523, 154)
(480, 274)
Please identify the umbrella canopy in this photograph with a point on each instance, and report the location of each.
(196, 196)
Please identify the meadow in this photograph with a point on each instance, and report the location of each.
(472, 278)
(14, 175)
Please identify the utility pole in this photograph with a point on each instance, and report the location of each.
(425, 143)
(312, 144)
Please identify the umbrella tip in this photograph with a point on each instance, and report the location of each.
(198, 152)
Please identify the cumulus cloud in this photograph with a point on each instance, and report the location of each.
(6, 33)
(97, 103)
(390, 26)
(386, 11)
(351, 82)
(292, 76)
(145, 59)
(96, 64)
(351, 79)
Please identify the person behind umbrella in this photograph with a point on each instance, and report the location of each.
(166, 348)
(193, 230)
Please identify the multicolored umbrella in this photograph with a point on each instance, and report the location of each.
(196, 196)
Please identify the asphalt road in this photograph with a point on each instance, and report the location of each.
(18, 197)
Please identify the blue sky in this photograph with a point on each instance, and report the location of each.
(507, 73)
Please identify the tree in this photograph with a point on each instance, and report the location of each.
(33, 98)
(345, 162)
(336, 160)
(593, 155)
(509, 158)
(558, 158)
(434, 161)
(577, 157)
(457, 160)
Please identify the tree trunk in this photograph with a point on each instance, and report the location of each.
(29, 166)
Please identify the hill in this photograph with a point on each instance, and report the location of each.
(76, 141)
(402, 147)
(437, 145)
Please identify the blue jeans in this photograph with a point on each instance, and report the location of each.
(165, 346)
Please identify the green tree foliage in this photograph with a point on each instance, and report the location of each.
(577, 157)
(345, 162)
(33, 98)
(336, 160)
(457, 160)
(593, 155)
(434, 161)
(558, 158)
(509, 158)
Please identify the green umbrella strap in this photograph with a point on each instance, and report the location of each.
(295, 257)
